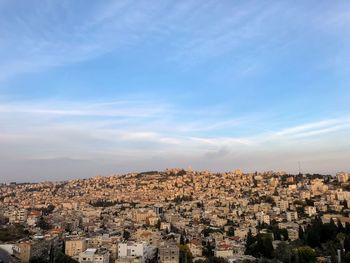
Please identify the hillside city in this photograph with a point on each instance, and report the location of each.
(178, 216)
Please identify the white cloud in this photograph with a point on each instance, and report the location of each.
(314, 128)
(105, 109)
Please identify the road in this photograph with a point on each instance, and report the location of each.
(5, 257)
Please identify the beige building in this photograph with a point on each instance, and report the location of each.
(342, 177)
(93, 255)
(293, 234)
(292, 216)
(75, 246)
(168, 253)
(310, 210)
(18, 216)
(29, 249)
(195, 247)
(283, 205)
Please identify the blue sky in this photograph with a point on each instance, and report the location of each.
(103, 87)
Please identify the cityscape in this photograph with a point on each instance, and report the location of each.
(187, 131)
(179, 215)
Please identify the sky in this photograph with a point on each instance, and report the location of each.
(102, 87)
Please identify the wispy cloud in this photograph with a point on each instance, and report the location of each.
(216, 81)
(314, 128)
(223, 141)
(193, 31)
(106, 109)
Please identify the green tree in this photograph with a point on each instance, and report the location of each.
(218, 260)
(208, 250)
(347, 243)
(283, 252)
(341, 228)
(346, 259)
(347, 228)
(328, 231)
(250, 242)
(126, 234)
(341, 238)
(185, 254)
(330, 249)
(284, 234)
(301, 233)
(38, 260)
(43, 224)
(267, 248)
(182, 240)
(304, 254)
(62, 258)
(231, 231)
(313, 236)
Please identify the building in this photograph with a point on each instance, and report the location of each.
(195, 247)
(168, 253)
(342, 177)
(93, 255)
(134, 250)
(263, 218)
(310, 210)
(32, 248)
(75, 246)
(18, 216)
(293, 234)
(292, 216)
(283, 205)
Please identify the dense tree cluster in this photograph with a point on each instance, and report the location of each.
(43, 224)
(259, 245)
(103, 203)
(12, 233)
(316, 239)
(59, 258)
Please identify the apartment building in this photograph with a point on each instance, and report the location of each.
(93, 255)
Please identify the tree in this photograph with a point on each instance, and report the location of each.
(301, 233)
(126, 234)
(306, 254)
(185, 254)
(341, 238)
(341, 228)
(218, 260)
(250, 241)
(182, 240)
(284, 234)
(346, 259)
(208, 250)
(276, 232)
(38, 260)
(267, 247)
(312, 236)
(330, 249)
(12, 233)
(328, 231)
(259, 246)
(283, 252)
(231, 231)
(347, 228)
(48, 210)
(43, 224)
(269, 199)
(62, 258)
(347, 243)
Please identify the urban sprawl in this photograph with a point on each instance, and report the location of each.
(178, 216)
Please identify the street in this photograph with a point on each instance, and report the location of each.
(5, 257)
